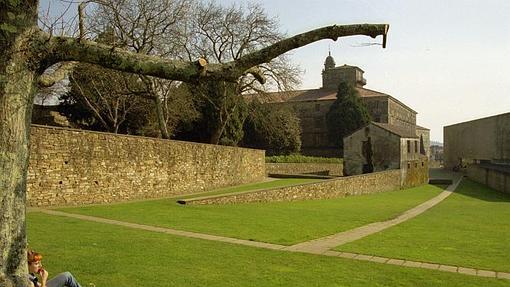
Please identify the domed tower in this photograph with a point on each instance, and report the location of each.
(332, 76)
(329, 63)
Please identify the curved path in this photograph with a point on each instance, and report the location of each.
(319, 246)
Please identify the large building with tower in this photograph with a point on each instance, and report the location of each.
(387, 112)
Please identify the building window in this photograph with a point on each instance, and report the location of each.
(318, 123)
(408, 146)
(408, 165)
(317, 107)
(317, 139)
(415, 146)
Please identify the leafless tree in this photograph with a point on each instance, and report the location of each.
(27, 52)
(105, 94)
(222, 34)
(149, 27)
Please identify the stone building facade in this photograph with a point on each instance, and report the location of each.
(481, 148)
(378, 147)
(311, 107)
(481, 140)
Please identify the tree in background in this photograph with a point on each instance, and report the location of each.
(193, 29)
(99, 99)
(273, 128)
(214, 121)
(347, 114)
(103, 99)
(151, 27)
(223, 34)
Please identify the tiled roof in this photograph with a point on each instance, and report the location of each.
(397, 130)
(311, 95)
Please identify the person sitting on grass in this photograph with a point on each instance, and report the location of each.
(35, 268)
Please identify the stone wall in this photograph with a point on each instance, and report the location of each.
(312, 117)
(496, 179)
(334, 169)
(334, 188)
(377, 108)
(415, 172)
(400, 115)
(71, 167)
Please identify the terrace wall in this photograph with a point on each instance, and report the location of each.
(334, 169)
(334, 188)
(415, 172)
(498, 179)
(73, 167)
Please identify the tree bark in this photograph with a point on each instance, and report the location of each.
(18, 75)
(161, 117)
(27, 52)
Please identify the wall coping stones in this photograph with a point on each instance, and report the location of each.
(304, 185)
(135, 137)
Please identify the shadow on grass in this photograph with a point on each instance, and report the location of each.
(481, 192)
(440, 173)
(441, 186)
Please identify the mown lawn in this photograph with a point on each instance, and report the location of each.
(470, 228)
(279, 222)
(116, 256)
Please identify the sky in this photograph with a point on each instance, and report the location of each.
(449, 60)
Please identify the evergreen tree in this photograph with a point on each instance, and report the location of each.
(347, 114)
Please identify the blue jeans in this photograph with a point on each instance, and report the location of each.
(63, 279)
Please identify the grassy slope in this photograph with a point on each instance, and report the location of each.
(115, 256)
(470, 228)
(279, 222)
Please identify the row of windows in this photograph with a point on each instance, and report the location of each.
(415, 164)
(410, 143)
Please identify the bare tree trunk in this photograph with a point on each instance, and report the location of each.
(161, 117)
(216, 135)
(17, 87)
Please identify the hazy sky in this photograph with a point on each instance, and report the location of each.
(447, 60)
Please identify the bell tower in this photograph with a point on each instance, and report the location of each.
(332, 76)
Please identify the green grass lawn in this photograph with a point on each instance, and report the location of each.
(273, 183)
(279, 222)
(470, 228)
(116, 256)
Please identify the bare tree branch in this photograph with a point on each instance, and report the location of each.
(48, 80)
(69, 49)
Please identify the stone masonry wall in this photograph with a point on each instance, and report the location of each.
(71, 167)
(334, 169)
(495, 179)
(339, 187)
(415, 172)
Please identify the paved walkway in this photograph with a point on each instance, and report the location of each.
(319, 246)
